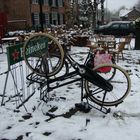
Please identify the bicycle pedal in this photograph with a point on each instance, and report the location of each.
(83, 107)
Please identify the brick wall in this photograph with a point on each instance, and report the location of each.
(19, 12)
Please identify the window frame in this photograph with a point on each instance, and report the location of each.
(35, 2)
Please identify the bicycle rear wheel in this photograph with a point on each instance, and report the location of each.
(121, 86)
(40, 46)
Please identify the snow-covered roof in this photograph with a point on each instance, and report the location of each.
(124, 12)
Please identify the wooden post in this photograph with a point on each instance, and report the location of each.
(137, 39)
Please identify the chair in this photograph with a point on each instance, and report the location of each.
(97, 37)
(128, 41)
(91, 44)
(99, 40)
(111, 41)
(119, 51)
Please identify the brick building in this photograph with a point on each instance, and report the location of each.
(26, 13)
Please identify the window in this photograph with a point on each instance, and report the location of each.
(54, 15)
(61, 18)
(46, 2)
(50, 2)
(36, 18)
(54, 18)
(46, 18)
(115, 26)
(60, 3)
(53, 3)
(124, 26)
(35, 2)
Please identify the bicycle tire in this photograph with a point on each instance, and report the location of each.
(50, 47)
(121, 87)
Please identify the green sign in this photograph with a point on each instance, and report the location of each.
(15, 52)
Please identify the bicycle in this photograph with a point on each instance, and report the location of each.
(45, 57)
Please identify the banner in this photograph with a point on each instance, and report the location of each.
(15, 52)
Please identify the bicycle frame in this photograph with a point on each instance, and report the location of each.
(82, 70)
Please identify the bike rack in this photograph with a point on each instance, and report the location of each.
(82, 71)
(44, 86)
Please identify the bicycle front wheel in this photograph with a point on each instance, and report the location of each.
(121, 86)
(41, 47)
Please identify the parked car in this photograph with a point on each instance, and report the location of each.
(117, 28)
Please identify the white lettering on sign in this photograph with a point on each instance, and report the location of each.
(35, 48)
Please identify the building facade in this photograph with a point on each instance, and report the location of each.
(27, 13)
(131, 15)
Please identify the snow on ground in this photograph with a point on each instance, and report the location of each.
(69, 124)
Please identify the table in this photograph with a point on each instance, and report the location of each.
(81, 40)
(107, 43)
(9, 40)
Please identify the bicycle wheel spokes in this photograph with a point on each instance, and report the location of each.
(53, 62)
(121, 86)
(42, 47)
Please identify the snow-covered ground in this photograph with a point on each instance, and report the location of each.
(69, 124)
